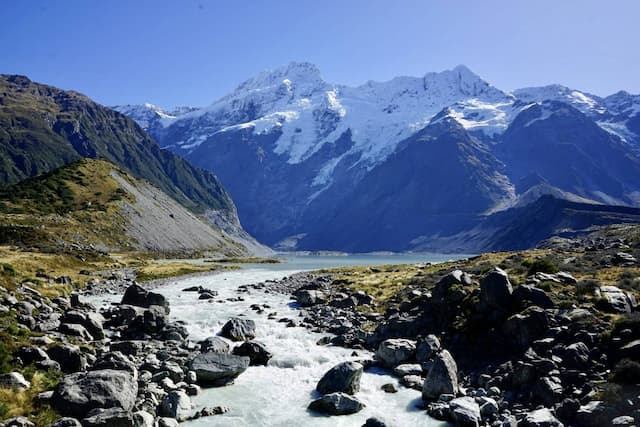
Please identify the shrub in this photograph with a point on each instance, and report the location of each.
(587, 286)
(627, 371)
(541, 265)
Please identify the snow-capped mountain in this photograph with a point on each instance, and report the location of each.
(294, 150)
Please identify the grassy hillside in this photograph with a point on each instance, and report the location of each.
(92, 205)
(43, 128)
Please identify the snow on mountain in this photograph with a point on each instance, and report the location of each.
(146, 115)
(308, 112)
(584, 102)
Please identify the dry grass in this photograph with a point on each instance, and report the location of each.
(161, 270)
(24, 403)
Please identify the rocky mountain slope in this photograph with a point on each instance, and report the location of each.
(43, 128)
(93, 204)
(299, 154)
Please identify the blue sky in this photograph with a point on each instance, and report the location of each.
(191, 52)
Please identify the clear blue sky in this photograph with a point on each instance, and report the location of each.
(188, 52)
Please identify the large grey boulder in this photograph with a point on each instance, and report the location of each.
(217, 369)
(255, 351)
(237, 329)
(79, 393)
(465, 412)
(344, 377)
(176, 405)
(615, 299)
(442, 377)
(336, 404)
(393, 352)
(540, 418)
(496, 290)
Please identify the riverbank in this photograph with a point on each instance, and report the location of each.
(542, 337)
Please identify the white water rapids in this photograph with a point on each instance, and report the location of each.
(278, 394)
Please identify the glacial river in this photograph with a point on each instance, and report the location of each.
(278, 394)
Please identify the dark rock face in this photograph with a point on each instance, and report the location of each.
(217, 369)
(337, 404)
(237, 329)
(79, 393)
(344, 377)
(255, 351)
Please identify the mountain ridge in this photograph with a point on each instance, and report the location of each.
(290, 146)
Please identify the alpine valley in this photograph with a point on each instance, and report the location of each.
(443, 162)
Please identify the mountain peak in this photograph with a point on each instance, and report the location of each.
(460, 80)
(294, 73)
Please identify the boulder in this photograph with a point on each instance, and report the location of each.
(624, 259)
(615, 300)
(137, 296)
(30, 355)
(77, 394)
(427, 347)
(176, 405)
(526, 295)
(18, 422)
(344, 377)
(623, 420)
(75, 330)
(14, 380)
(374, 422)
(143, 419)
(308, 297)
(237, 329)
(496, 290)
(408, 369)
(576, 355)
(395, 351)
(540, 418)
(111, 417)
(336, 404)
(255, 351)
(167, 422)
(465, 412)
(523, 328)
(442, 377)
(69, 357)
(66, 422)
(217, 369)
(594, 414)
